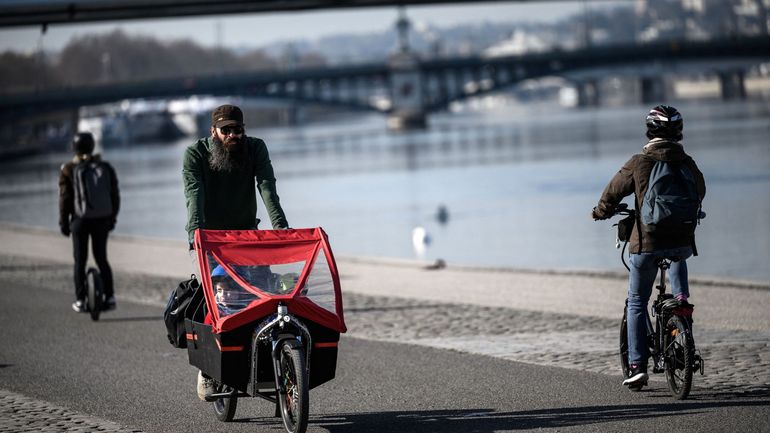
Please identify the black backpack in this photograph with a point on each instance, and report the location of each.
(176, 310)
(93, 189)
(671, 204)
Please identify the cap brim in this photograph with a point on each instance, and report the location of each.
(224, 123)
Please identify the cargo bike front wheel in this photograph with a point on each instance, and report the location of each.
(292, 384)
(293, 392)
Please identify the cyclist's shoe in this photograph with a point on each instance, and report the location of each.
(79, 306)
(637, 375)
(109, 303)
(205, 386)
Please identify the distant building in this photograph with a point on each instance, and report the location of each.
(700, 19)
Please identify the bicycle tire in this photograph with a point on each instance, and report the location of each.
(94, 293)
(679, 350)
(225, 407)
(293, 403)
(623, 337)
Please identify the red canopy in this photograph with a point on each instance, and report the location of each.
(259, 268)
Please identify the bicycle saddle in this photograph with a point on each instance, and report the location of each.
(672, 259)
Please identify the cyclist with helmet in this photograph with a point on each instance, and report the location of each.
(664, 131)
(91, 222)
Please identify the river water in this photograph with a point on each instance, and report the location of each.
(517, 183)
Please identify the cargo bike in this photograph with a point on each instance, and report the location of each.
(268, 319)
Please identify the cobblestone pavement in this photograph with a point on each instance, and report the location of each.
(19, 413)
(736, 361)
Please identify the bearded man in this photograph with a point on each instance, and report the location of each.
(219, 175)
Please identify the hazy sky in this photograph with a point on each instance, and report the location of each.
(255, 30)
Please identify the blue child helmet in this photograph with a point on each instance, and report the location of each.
(219, 271)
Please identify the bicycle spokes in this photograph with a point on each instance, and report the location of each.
(675, 351)
(290, 386)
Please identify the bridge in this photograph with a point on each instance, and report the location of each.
(44, 13)
(408, 88)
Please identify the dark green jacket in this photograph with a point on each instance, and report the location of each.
(227, 200)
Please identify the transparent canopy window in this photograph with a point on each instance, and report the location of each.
(274, 279)
(320, 285)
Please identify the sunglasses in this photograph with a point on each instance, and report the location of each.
(227, 130)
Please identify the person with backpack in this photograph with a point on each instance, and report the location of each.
(220, 173)
(89, 201)
(668, 190)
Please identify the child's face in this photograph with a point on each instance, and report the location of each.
(223, 292)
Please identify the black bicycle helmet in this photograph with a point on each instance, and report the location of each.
(664, 121)
(83, 143)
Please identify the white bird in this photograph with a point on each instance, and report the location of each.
(420, 241)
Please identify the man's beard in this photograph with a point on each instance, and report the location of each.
(229, 155)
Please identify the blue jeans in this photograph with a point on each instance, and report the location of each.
(642, 277)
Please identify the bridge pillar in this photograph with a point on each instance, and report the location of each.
(653, 90)
(407, 105)
(732, 85)
(588, 93)
(406, 93)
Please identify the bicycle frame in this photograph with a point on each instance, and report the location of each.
(656, 338)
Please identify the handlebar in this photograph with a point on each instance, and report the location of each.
(622, 209)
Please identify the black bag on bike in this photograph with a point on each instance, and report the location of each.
(176, 310)
(626, 227)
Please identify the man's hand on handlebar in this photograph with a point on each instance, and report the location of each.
(621, 208)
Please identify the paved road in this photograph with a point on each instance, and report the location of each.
(121, 373)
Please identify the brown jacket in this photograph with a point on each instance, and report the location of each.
(67, 190)
(634, 177)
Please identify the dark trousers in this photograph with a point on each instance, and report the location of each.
(97, 229)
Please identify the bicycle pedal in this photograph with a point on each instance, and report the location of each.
(659, 367)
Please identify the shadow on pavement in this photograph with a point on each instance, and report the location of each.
(488, 421)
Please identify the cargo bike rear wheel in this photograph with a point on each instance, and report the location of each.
(225, 407)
